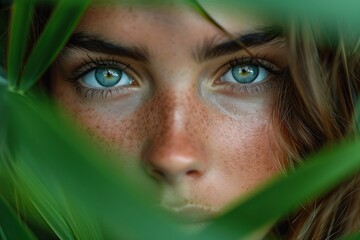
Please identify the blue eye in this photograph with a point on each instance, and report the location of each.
(106, 77)
(245, 74)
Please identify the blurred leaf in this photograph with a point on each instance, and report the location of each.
(3, 35)
(10, 226)
(59, 28)
(53, 163)
(286, 193)
(329, 16)
(70, 222)
(356, 123)
(355, 236)
(3, 81)
(321, 9)
(20, 24)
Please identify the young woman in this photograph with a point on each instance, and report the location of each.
(171, 89)
(210, 112)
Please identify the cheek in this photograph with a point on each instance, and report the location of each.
(243, 155)
(113, 124)
(112, 131)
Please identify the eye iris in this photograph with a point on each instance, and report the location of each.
(108, 77)
(245, 73)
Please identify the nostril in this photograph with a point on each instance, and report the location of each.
(193, 173)
(160, 175)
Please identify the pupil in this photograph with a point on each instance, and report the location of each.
(108, 74)
(108, 77)
(245, 73)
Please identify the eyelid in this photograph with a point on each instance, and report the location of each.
(92, 64)
(261, 62)
(275, 72)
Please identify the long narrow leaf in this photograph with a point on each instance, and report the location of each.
(317, 175)
(70, 169)
(56, 33)
(3, 81)
(48, 204)
(20, 24)
(10, 226)
(355, 236)
(3, 35)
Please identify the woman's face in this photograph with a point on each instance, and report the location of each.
(165, 85)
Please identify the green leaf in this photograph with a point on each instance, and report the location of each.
(22, 11)
(356, 123)
(329, 16)
(70, 222)
(56, 33)
(355, 236)
(286, 193)
(3, 35)
(10, 226)
(54, 168)
(3, 81)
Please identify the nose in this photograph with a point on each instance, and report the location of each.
(175, 152)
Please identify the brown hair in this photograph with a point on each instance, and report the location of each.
(316, 107)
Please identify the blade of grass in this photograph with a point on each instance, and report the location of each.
(355, 236)
(356, 123)
(10, 226)
(61, 160)
(59, 28)
(22, 11)
(286, 193)
(3, 35)
(48, 204)
(3, 81)
(327, 13)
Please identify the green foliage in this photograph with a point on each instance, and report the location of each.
(287, 193)
(10, 226)
(20, 25)
(53, 39)
(58, 179)
(3, 37)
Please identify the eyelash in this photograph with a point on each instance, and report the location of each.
(257, 88)
(90, 65)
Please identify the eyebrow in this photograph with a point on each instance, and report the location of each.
(92, 43)
(208, 50)
(265, 35)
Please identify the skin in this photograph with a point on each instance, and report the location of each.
(205, 142)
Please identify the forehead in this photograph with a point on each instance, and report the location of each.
(157, 23)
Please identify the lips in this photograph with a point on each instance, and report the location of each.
(190, 213)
